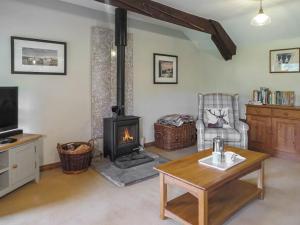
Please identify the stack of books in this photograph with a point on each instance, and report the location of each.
(266, 96)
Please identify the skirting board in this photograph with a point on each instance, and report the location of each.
(50, 166)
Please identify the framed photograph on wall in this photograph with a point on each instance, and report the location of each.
(285, 60)
(165, 69)
(35, 56)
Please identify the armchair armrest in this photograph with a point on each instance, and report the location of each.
(241, 126)
(200, 125)
(200, 135)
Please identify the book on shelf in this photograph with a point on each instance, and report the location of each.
(267, 97)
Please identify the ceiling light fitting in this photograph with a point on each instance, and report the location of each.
(261, 19)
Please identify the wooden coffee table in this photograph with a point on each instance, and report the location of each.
(212, 195)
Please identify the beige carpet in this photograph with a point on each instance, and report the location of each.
(89, 199)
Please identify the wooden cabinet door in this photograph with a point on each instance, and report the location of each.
(286, 136)
(259, 133)
(23, 164)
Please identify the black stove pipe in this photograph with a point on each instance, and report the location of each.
(120, 42)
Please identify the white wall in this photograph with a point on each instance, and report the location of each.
(55, 106)
(59, 106)
(249, 70)
(152, 101)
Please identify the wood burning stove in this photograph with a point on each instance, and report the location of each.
(121, 133)
(121, 136)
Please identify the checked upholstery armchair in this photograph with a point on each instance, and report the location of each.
(236, 136)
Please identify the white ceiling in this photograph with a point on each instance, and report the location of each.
(212, 9)
(234, 15)
(219, 9)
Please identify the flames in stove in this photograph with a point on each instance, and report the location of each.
(127, 137)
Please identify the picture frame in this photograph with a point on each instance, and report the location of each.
(37, 56)
(285, 60)
(165, 69)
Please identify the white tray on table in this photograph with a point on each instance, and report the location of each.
(224, 165)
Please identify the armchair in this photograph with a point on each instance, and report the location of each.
(235, 136)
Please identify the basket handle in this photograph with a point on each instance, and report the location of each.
(92, 143)
(59, 148)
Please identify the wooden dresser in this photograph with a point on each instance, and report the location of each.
(275, 130)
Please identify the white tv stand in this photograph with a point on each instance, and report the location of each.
(20, 162)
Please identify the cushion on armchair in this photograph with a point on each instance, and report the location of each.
(218, 101)
(217, 118)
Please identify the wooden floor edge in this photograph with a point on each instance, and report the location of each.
(50, 166)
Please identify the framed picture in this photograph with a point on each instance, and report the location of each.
(285, 60)
(165, 69)
(34, 56)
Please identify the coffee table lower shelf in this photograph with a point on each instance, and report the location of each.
(222, 204)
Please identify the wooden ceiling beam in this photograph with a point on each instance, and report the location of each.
(165, 13)
(222, 40)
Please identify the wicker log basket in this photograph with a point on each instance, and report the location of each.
(171, 137)
(75, 157)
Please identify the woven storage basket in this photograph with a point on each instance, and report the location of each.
(171, 137)
(74, 161)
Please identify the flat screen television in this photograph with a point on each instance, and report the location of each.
(8, 108)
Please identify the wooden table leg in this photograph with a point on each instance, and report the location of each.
(203, 207)
(260, 181)
(163, 196)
